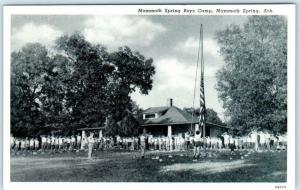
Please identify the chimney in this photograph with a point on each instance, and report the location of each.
(170, 102)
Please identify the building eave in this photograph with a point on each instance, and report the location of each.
(91, 128)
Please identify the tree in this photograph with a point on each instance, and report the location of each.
(25, 88)
(131, 71)
(211, 115)
(35, 91)
(53, 93)
(86, 81)
(129, 125)
(253, 83)
(75, 85)
(100, 83)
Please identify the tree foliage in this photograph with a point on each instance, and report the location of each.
(27, 78)
(211, 116)
(75, 85)
(129, 125)
(253, 82)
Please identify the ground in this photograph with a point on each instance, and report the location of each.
(124, 166)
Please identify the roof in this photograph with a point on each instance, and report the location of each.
(173, 116)
(156, 109)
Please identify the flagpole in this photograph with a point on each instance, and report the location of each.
(202, 95)
(196, 77)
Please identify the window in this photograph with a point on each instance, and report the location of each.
(149, 116)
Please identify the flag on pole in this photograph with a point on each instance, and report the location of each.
(202, 95)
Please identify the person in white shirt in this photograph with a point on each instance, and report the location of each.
(187, 140)
(68, 145)
(85, 143)
(171, 143)
(73, 142)
(236, 142)
(272, 141)
(167, 143)
(240, 142)
(182, 143)
(119, 141)
(56, 144)
(60, 143)
(36, 144)
(22, 145)
(231, 142)
(44, 141)
(248, 142)
(214, 142)
(49, 142)
(52, 142)
(78, 142)
(155, 143)
(101, 143)
(208, 142)
(254, 140)
(159, 142)
(143, 144)
(220, 144)
(226, 140)
(91, 142)
(17, 146)
(31, 144)
(26, 143)
(197, 144)
(262, 140)
(268, 140)
(176, 144)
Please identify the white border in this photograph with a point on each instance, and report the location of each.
(280, 9)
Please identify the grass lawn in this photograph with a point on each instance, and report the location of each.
(121, 166)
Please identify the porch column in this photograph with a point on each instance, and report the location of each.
(196, 127)
(169, 131)
(100, 134)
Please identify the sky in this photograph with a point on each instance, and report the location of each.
(172, 42)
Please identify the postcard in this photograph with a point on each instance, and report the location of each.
(149, 96)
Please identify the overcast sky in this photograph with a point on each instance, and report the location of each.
(172, 42)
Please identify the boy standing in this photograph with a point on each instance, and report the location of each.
(197, 144)
(91, 142)
(143, 144)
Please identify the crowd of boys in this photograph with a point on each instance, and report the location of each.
(255, 140)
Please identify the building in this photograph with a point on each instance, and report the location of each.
(171, 120)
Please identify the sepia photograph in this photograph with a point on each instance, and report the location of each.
(155, 94)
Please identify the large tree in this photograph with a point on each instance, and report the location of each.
(86, 80)
(27, 68)
(253, 82)
(100, 82)
(36, 90)
(77, 84)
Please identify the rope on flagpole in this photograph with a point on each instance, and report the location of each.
(196, 76)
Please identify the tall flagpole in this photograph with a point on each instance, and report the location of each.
(202, 95)
(196, 78)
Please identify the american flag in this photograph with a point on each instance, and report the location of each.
(202, 96)
(202, 107)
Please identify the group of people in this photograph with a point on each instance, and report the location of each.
(56, 143)
(255, 140)
(59, 143)
(258, 141)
